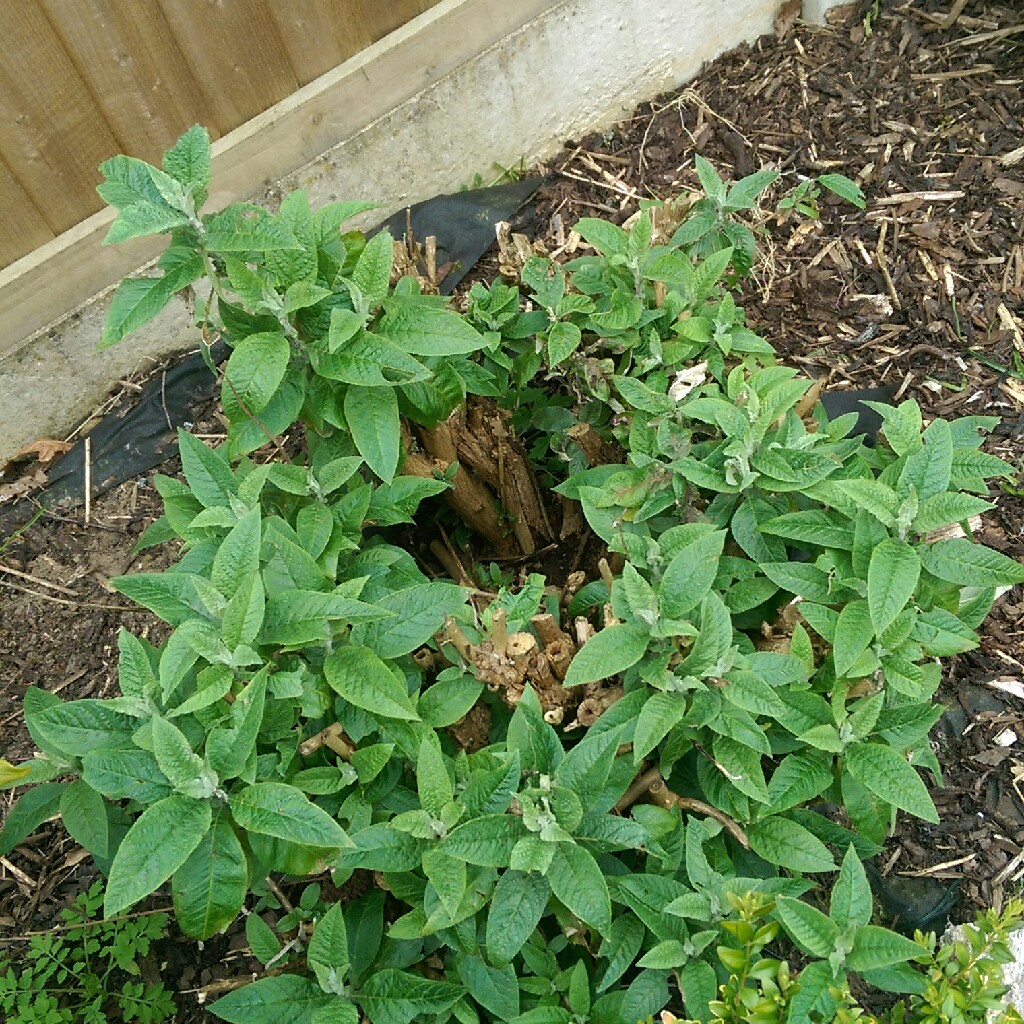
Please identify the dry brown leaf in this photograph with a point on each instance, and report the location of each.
(45, 449)
(787, 18)
(22, 486)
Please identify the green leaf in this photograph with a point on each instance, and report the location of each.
(448, 700)
(135, 676)
(804, 579)
(130, 181)
(125, 775)
(714, 187)
(447, 875)
(744, 193)
(875, 947)
(888, 775)
(799, 777)
(382, 848)
(585, 768)
(340, 1011)
(517, 905)
(850, 904)
(428, 331)
(943, 634)
(136, 301)
(433, 785)
(815, 981)
(812, 526)
(245, 228)
(665, 955)
(872, 496)
(854, 633)
(810, 928)
(372, 416)
(646, 995)
(963, 562)
(239, 554)
(563, 339)
(77, 727)
(284, 999)
(263, 943)
(345, 325)
(578, 882)
(328, 950)
(495, 989)
(609, 652)
(33, 808)
(620, 949)
(607, 238)
(209, 889)
(243, 616)
(689, 575)
(417, 613)
(713, 642)
(363, 359)
(781, 841)
(490, 792)
(364, 680)
(276, 809)
(301, 617)
(659, 715)
(157, 844)
(372, 271)
(391, 996)
(141, 219)
(303, 294)
(254, 371)
(188, 160)
(208, 474)
(329, 218)
(929, 469)
(893, 573)
(698, 986)
(486, 841)
(184, 768)
(228, 749)
(843, 187)
(948, 507)
(741, 766)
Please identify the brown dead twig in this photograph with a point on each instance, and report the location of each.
(332, 737)
(651, 787)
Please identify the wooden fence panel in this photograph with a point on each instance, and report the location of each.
(53, 135)
(24, 227)
(134, 70)
(81, 80)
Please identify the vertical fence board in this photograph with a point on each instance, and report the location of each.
(24, 227)
(234, 52)
(134, 68)
(366, 21)
(311, 35)
(52, 134)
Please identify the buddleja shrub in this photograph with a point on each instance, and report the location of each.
(768, 639)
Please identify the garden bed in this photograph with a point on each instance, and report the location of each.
(923, 294)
